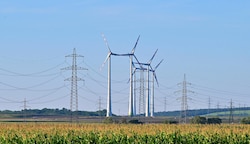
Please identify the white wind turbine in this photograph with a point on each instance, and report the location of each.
(148, 64)
(152, 89)
(108, 58)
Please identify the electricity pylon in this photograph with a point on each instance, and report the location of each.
(231, 120)
(184, 104)
(140, 88)
(74, 88)
(24, 110)
(142, 93)
(209, 105)
(100, 106)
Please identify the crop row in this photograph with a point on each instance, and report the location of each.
(100, 133)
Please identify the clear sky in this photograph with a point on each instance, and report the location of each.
(206, 40)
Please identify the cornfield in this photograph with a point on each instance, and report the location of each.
(62, 133)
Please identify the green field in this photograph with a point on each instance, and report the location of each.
(63, 133)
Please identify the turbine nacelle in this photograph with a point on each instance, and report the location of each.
(115, 54)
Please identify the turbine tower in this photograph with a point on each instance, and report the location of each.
(74, 88)
(131, 111)
(134, 91)
(152, 89)
(108, 58)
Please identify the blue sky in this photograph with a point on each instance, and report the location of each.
(206, 40)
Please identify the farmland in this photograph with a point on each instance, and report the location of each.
(122, 133)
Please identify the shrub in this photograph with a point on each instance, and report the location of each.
(124, 121)
(245, 120)
(135, 121)
(108, 120)
(214, 121)
(170, 122)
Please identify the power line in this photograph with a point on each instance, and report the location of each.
(35, 74)
(225, 99)
(92, 101)
(52, 100)
(30, 87)
(9, 100)
(43, 96)
(212, 90)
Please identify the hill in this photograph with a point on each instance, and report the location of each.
(65, 113)
(240, 112)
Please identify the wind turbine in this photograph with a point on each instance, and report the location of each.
(131, 97)
(108, 58)
(148, 64)
(109, 109)
(152, 89)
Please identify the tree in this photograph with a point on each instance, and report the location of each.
(245, 120)
(170, 122)
(198, 120)
(135, 121)
(214, 121)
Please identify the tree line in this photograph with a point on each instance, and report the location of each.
(49, 112)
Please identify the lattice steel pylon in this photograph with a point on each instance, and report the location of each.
(231, 119)
(184, 104)
(74, 87)
(142, 93)
(25, 110)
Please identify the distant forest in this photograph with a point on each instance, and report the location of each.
(242, 112)
(48, 112)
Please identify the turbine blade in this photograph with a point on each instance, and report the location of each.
(132, 73)
(133, 50)
(138, 61)
(149, 62)
(106, 42)
(156, 78)
(108, 56)
(158, 64)
(151, 69)
(133, 65)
